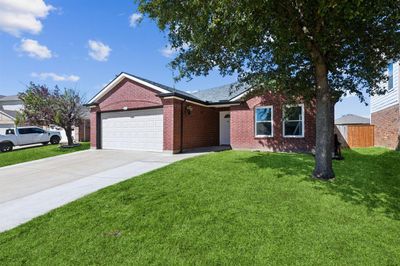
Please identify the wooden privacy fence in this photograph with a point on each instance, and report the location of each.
(360, 136)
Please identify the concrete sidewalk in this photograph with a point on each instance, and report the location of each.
(31, 189)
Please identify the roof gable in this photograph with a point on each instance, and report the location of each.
(221, 94)
(158, 87)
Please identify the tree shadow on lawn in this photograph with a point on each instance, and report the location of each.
(371, 179)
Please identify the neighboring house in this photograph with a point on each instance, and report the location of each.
(351, 119)
(354, 131)
(9, 108)
(82, 132)
(385, 111)
(138, 114)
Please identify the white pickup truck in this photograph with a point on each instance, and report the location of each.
(27, 135)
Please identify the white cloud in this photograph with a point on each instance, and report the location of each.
(98, 50)
(17, 16)
(168, 51)
(135, 19)
(55, 77)
(34, 49)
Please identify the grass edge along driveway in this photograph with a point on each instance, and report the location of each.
(232, 207)
(36, 152)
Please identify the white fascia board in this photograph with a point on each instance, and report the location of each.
(240, 96)
(117, 80)
(7, 115)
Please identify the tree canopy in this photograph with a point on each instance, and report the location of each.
(44, 107)
(274, 40)
(310, 49)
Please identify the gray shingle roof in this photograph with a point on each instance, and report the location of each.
(351, 119)
(215, 95)
(221, 93)
(212, 95)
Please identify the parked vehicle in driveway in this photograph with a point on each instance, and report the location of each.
(27, 135)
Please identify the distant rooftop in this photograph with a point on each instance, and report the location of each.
(352, 119)
(9, 98)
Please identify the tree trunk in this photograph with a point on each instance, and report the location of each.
(68, 132)
(324, 126)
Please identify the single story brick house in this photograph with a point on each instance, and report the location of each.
(133, 113)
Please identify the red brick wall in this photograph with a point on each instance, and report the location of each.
(131, 95)
(200, 127)
(93, 124)
(83, 131)
(243, 132)
(172, 114)
(387, 127)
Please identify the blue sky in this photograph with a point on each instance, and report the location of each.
(84, 44)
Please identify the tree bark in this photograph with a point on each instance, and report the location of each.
(68, 132)
(324, 125)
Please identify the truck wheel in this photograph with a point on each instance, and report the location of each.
(55, 140)
(5, 147)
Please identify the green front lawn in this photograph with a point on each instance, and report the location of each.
(35, 153)
(227, 208)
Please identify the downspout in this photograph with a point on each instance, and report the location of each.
(182, 114)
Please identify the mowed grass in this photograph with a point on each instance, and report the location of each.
(36, 152)
(248, 208)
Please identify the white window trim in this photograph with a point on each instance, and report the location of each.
(302, 120)
(388, 82)
(272, 122)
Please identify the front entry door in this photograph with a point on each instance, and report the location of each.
(224, 128)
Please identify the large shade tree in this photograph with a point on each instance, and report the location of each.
(314, 50)
(44, 107)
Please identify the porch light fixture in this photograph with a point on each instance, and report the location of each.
(189, 109)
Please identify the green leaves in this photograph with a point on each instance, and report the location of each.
(264, 40)
(43, 106)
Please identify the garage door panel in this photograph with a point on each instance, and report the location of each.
(133, 130)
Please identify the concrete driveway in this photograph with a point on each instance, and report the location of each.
(31, 189)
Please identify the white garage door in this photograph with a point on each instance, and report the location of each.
(133, 130)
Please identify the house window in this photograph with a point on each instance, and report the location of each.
(293, 121)
(263, 121)
(390, 74)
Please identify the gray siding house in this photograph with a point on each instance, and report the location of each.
(385, 110)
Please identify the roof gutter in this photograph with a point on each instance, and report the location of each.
(91, 104)
(193, 100)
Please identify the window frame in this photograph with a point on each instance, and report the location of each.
(302, 121)
(272, 121)
(390, 70)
